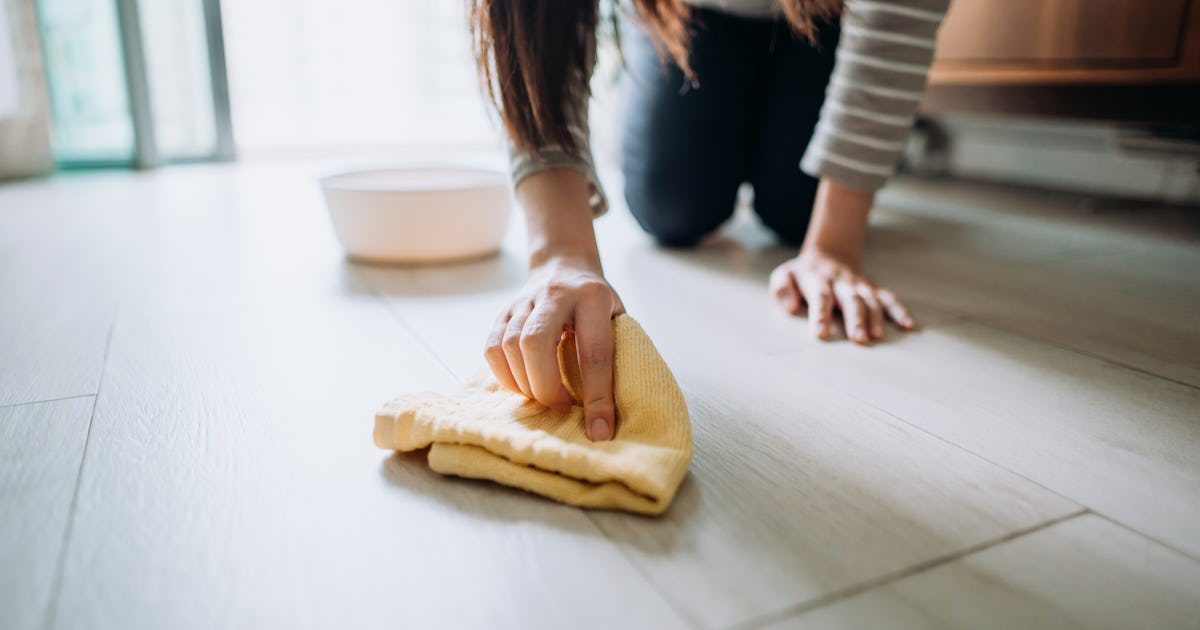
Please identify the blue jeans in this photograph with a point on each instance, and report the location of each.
(686, 148)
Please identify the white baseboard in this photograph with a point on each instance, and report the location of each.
(1083, 157)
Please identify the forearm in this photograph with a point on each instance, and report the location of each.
(839, 221)
(558, 218)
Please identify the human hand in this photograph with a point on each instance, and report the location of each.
(522, 350)
(818, 282)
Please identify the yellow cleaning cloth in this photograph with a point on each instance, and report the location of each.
(488, 432)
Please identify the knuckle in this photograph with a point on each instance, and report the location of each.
(511, 342)
(593, 290)
(533, 338)
(809, 284)
(493, 350)
(556, 288)
(547, 388)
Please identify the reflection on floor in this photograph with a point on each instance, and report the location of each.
(188, 372)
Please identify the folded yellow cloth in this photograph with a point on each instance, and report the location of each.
(488, 432)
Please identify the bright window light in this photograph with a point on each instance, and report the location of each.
(87, 80)
(180, 87)
(309, 76)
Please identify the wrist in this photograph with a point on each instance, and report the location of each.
(850, 254)
(839, 222)
(576, 257)
(558, 219)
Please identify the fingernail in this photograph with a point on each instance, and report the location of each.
(599, 429)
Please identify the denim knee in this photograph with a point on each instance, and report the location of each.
(678, 214)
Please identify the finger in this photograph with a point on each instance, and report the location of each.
(494, 353)
(874, 310)
(512, 347)
(896, 309)
(539, 347)
(819, 295)
(594, 343)
(784, 290)
(853, 312)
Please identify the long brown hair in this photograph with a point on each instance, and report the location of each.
(533, 55)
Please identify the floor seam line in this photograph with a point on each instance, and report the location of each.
(408, 327)
(901, 574)
(679, 609)
(1149, 537)
(1035, 482)
(42, 402)
(966, 450)
(891, 414)
(51, 615)
(1067, 258)
(1079, 352)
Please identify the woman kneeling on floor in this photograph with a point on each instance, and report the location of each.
(810, 101)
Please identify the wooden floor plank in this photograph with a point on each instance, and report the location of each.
(796, 491)
(215, 237)
(61, 274)
(723, 286)
(232, 482)
(1115, 289)
(1142, 326)
(1082, 573)
(1089, 429)
(1099, 433)
(41, 446)
(1018, 224)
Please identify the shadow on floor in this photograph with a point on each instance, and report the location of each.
(503, 270)
(495, 502)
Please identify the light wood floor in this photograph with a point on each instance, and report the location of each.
(188, 373)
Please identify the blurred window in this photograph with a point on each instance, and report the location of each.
(88, 100)
(308, 76)
(178, 74)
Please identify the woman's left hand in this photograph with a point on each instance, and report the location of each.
(818, 282)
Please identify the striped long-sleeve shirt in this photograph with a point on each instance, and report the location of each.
(883, 56)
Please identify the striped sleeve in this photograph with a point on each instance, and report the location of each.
(522, 164)
(883, 58)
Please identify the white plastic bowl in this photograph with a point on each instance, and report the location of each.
(418, 214)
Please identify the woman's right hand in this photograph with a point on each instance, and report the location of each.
(522, 350)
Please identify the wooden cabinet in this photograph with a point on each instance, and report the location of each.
(1068, 42)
